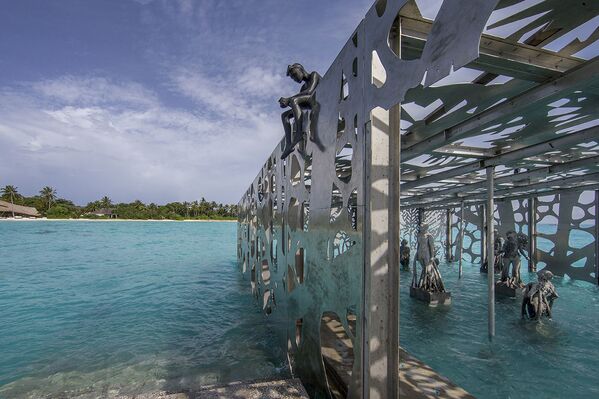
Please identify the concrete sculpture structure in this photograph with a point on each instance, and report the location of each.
(494, 122)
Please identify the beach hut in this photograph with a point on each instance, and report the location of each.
(8, 210)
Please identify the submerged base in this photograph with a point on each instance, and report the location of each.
(432, 298)
(507, 291)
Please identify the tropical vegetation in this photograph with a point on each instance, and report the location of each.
(50, 205)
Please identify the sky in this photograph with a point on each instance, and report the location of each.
(161, 100)
(157, 100)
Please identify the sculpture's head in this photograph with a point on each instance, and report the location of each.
(404, 242)
(496, 232)
(511, 235)
(545, 275)
(424, 228)
(296, 72)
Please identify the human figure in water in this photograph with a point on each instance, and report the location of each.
(404, 255)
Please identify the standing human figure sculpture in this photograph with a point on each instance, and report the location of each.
(305, 100)
(497, 251)
(511, 251)
(430, 277)
(404, 255)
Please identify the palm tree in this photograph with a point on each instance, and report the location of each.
(48, 194)
(10, 192)
(105, 202)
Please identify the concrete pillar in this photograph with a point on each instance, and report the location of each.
(448, 235)
(380, 338)
(532, 234)
(490, 252)
(483, 234)
(461, 252)
(597, 235)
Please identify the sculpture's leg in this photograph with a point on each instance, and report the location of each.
(506, 269)
(525, 301)
(516, 270)
(538, 306)
(299, 119)
(286, 118)
(314, 119)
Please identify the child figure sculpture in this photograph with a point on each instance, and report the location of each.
(430, 278)
(404, 255)
(538, 297)
(305, 100)
(511, 251)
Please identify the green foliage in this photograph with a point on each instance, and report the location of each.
(48, 195)
(60, 212)
(49, 205)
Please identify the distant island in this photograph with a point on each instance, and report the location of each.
(47, 204)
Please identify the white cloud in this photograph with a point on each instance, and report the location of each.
(95, 90)
(141, 149)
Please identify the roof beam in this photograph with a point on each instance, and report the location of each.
(456, 204)
(507, 157)
(497, 55)
(415, 143)
(539, 173)
(582, 182)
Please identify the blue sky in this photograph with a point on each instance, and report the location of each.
(158, 100)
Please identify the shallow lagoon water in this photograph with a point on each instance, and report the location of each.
(96, 308)
(89, 308)
(556, 358)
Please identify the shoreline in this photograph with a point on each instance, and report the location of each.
(117, 220)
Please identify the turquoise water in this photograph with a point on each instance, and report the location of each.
(91, 308)
(99, 308)
(556, 358)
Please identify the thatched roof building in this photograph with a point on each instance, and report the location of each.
(8, 209)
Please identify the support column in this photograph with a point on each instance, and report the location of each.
(449, 214)
(532, 234)
(380, 338)
(597, 235)
(483, 235)
(461, 239)
(490, 251)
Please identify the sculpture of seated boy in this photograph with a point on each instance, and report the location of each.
(298, 103)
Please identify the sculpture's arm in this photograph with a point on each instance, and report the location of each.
(523, 253)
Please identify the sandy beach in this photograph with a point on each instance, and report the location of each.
(112, 220)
